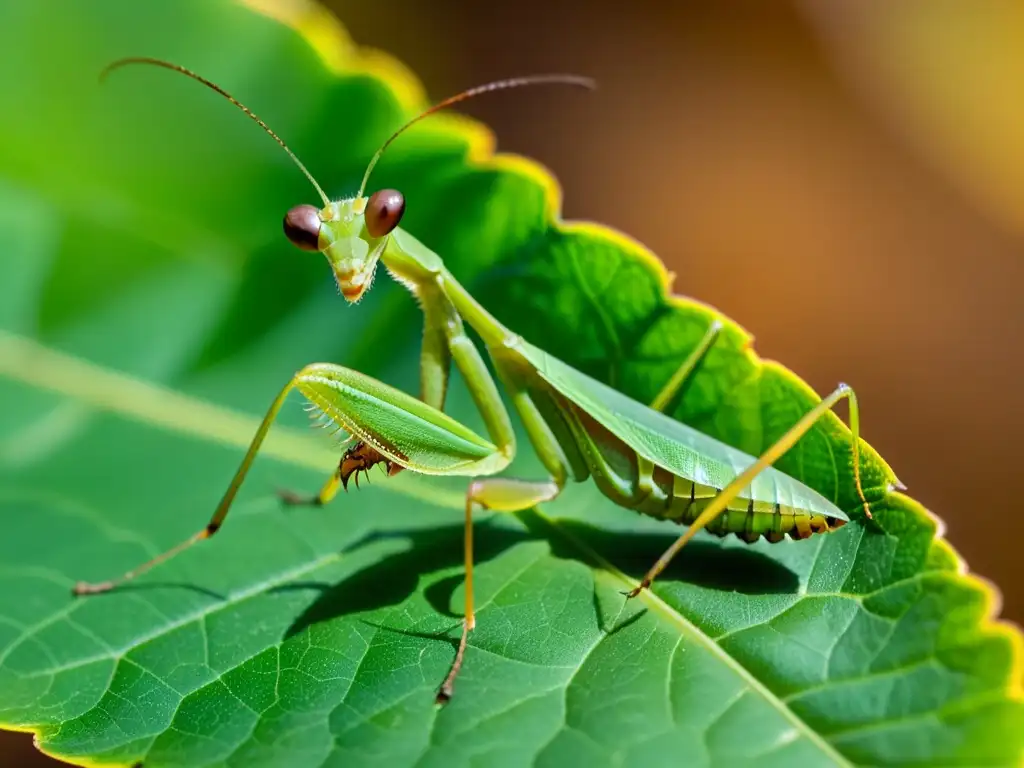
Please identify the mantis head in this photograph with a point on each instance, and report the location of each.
(351, 233)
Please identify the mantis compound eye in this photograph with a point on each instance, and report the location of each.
(302, 227)
(383, 212)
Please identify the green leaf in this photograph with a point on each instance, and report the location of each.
(149, 312)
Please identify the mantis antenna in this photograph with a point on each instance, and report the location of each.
(213, 86)
(497, 85)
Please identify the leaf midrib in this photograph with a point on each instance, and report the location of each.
(29, 362)
(604, 567)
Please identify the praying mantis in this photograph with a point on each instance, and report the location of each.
(581, 429)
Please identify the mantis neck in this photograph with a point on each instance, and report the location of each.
(416, 265)
(480, 320)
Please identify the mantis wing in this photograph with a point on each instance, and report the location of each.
(681, 449)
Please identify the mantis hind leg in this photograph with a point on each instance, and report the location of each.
(720, 503)
(672, 387)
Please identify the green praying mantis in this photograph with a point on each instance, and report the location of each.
(581, 429)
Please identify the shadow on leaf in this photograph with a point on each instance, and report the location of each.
(701, 563)
(396, 577)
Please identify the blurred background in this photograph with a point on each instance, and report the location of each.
(844, 179)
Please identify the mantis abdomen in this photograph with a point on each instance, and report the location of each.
(747, 518)
(633, 481)
(682, 501)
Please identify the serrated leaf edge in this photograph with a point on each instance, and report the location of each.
(327, 37)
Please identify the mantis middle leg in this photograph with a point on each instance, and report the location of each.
(502, 494)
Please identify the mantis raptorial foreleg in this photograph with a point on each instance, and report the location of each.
(435, 357)
(719, 504)
(435, 367)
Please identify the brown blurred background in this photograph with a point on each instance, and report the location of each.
(843, 178)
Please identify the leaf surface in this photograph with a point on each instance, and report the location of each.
(149, 312)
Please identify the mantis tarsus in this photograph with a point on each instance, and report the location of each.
(580, 428)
